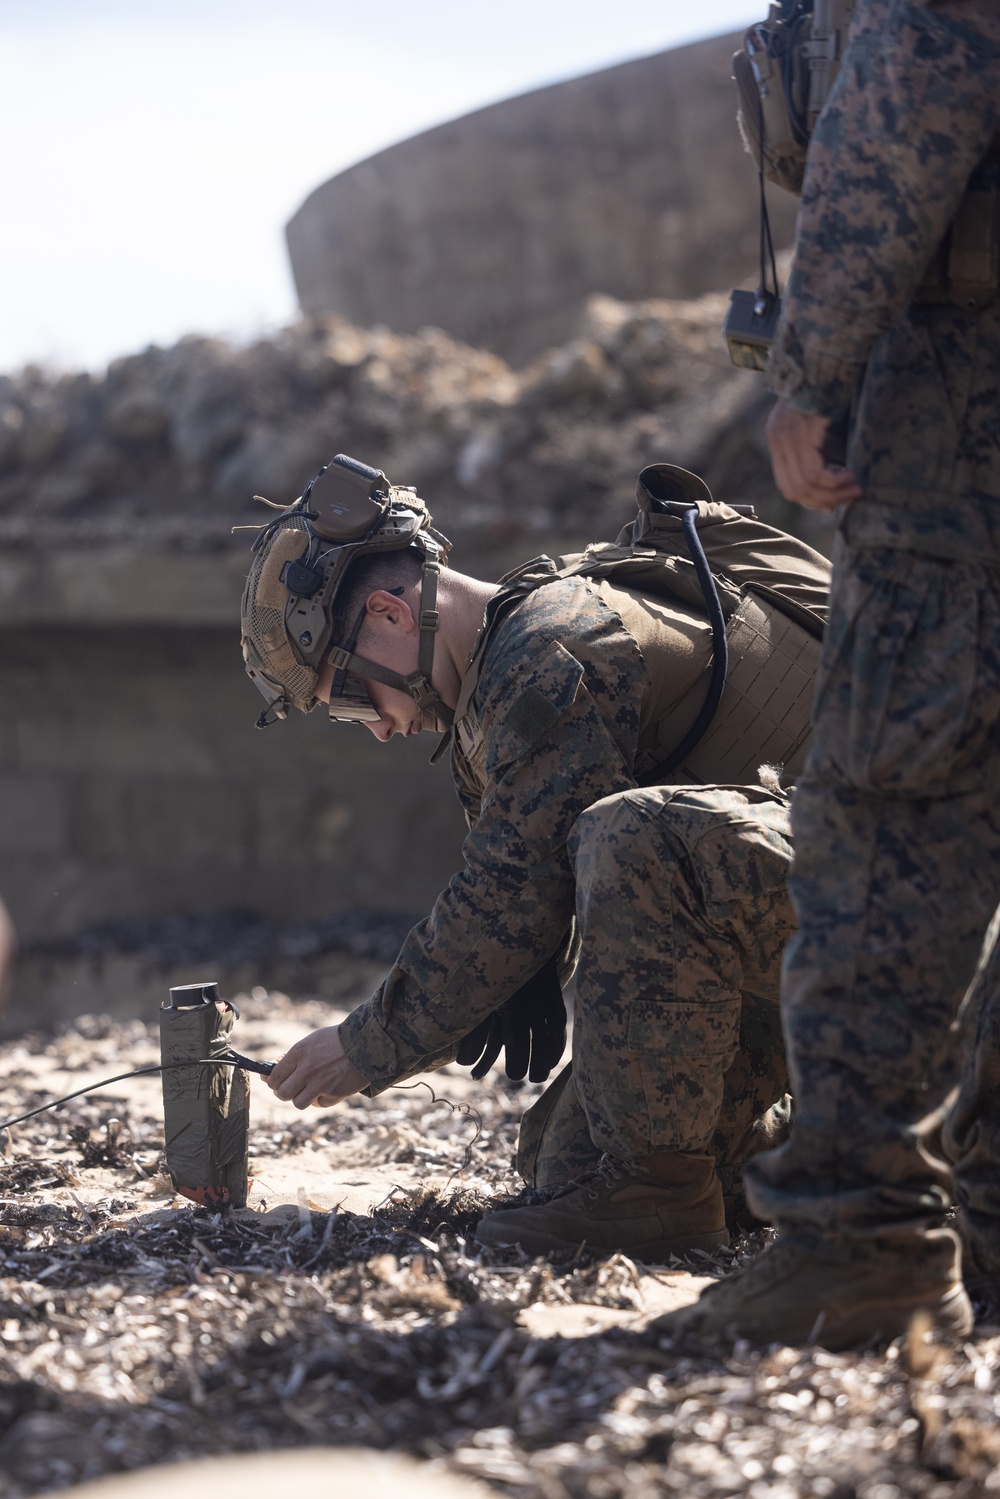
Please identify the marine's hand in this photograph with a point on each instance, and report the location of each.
(316, 1071)
(796, 439)
(530, 1027)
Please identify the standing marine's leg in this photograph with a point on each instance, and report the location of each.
(896, 875)
(683, 913)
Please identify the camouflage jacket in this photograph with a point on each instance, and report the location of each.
(913, 113)
(559, 698)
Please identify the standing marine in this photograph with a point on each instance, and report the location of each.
(606, 716)
(892, 314)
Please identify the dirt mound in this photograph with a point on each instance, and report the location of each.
(167, 446)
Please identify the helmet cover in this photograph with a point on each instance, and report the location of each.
(292, 614)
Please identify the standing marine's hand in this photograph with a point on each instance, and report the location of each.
(316, 1071)
(796, 440)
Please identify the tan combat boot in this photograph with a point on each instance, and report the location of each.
(790, 1295)
(664, 1205)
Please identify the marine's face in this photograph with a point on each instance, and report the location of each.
(387, 640)
(398, 713)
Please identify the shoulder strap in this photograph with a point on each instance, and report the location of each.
(720, 647)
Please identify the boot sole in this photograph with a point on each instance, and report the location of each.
(651, 1253)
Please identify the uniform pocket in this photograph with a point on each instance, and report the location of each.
(533, 708)
(684, 1051)
(907, 700)
(681, 1028)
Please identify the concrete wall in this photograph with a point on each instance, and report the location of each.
(133, 784)
(631, 181)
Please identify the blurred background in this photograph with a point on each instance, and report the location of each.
(485, 248)
(163, 146)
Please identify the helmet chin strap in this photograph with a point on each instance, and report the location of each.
(433, 712)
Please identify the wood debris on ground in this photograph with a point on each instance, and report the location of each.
(139, 1330)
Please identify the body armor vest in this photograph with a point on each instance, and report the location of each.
(772, 589)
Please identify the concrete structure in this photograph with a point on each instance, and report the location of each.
(133, 784)
(631, 181)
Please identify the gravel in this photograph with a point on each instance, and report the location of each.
(136, 1338)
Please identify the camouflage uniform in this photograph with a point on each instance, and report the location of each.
(679, 895)
(896, 820)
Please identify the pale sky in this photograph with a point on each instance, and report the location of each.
(154, 149)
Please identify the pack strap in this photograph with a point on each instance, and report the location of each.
(514, 588)
(543, 571)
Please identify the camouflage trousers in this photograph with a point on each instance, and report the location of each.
(896, 877)
(682, 911)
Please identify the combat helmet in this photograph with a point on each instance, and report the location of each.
(294, 603)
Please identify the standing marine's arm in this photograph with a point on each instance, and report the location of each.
(914, 108)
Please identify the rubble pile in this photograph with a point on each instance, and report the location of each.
(136, 1337)
(169, 445)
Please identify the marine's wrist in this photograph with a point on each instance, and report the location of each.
(369, 1048)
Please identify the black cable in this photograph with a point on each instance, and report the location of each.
(235, 1060)
(720, 650)
(766, 242)
(456, 1108)
(798, 122)
(251, 1064)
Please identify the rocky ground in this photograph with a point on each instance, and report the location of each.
(167, 446)
(137, 1329)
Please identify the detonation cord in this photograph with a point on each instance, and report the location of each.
(249, 1064)
(230, 1061)
(456, 1108)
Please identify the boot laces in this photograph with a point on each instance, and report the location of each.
(610, 1173)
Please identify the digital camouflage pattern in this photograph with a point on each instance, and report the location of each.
(682, 914)
(914, 110)
(559, 697)
(896, 819)
(896, 877)
(683, 909)
(680, 900)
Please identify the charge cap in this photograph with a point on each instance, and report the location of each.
(184, 995)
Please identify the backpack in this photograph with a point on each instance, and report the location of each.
(765, 595)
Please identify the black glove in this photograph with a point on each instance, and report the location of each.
(531, 1026)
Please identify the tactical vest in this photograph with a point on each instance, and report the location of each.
(772, 590)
